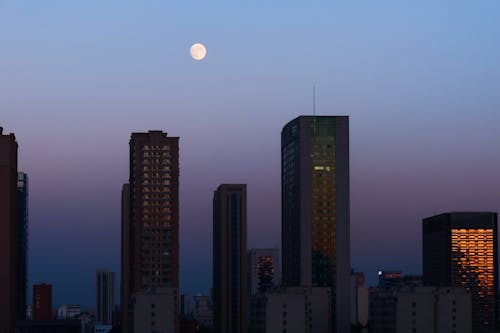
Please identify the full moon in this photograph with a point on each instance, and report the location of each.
(198, 51)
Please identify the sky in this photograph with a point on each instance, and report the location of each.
(420, 81)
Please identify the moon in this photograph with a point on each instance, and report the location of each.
(198, 51)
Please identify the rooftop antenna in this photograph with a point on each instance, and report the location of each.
(314, 108)
(314, 99)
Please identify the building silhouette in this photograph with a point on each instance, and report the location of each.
(150, 219)
(230, 294)
(315, 209)
(8, 232)
(42, 302)
(22, 244)
(460, 250)
(105, 296)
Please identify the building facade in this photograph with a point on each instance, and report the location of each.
(8, 232)
(315, 209)
(292, 310)
(105, 296)
(460, 249)
(203, 312)
(69, 311)
(22, 244)
(230, 293)
(263, 270)
(434, 310)
(156, 311)
(42, 302)
(150, 218)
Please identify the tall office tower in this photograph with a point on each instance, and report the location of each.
(22, 244)
(150, 209)
(263, 270)
(8, 232)
(42, 302)
(229, 258)
(105, 297)
(125, 259)
(460, 250)
(315, 208)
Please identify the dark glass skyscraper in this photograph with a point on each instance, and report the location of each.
(22, 244)
(150, 217)
(461, 250)
(105, 296)
(229, 258)
(315, 208)
(8, 232)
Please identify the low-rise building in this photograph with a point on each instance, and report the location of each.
(292, 310)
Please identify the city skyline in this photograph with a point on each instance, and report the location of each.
(418, 81)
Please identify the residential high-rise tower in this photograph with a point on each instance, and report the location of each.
(8, 232)
(229, 258)
(150, 217)
(315, 208)
(460, 249)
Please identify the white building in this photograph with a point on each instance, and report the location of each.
(292, 310)
(434, 310)
(68, 311)
(359, 300)
(99, 328)
(156, 311)
(203, 311)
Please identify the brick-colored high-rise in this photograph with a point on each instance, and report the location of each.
(42, 302)
(8, 231)
(150, 217)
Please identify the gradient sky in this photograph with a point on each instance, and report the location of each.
(420, 81)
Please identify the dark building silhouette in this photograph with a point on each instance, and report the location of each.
(52, 326)
(42, 302)
(315, 208)
(105, 296)
(8, 232)
(150, 218)
(125, 259)
(22, 244)
(229, 258)
(460, 250)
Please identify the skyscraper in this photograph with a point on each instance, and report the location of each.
(150, 217)
(42, 302)
(125, 261)
(105, 296)
(315, 208)
(229, 258)
(22, 244)
(263, 270)
(460, 250)
(8, 232)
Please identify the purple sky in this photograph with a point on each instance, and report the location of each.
(420, 82)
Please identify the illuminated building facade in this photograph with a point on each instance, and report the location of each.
(460, 250)
(315, 208)
(263, 270)
(150, 218)
(230, 293)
